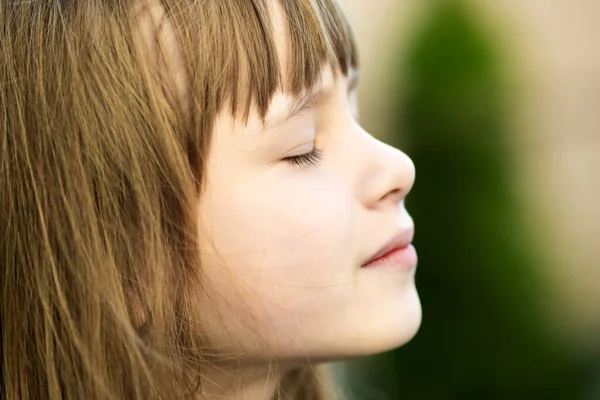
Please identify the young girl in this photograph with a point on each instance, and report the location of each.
(189, 206)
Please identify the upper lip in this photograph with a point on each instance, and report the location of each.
(401, 240)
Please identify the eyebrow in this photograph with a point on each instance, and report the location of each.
(300, 104)
(307, 101)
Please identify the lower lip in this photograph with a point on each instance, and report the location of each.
(404, 258)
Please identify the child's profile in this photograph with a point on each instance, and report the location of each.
(190, 207)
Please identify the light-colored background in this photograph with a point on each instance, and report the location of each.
(553, 49)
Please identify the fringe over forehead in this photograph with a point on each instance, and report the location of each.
(232, 56)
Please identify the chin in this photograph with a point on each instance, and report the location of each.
(388, 328)
(392, 327)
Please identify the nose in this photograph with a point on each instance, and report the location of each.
(388, 175)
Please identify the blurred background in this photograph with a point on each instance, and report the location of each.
(498, 104)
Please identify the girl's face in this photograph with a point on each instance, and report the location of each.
(284, 239)
(288, 240)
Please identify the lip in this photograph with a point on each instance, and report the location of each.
(401, 240)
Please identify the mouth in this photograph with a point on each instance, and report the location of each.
(397, 251)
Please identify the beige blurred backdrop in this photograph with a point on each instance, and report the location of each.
(553, 49)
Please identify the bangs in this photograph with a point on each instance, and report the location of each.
(233, 58)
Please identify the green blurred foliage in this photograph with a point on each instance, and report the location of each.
(484, 334)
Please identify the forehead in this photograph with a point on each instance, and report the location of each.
(284, 105)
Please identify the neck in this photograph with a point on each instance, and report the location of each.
(241, 382)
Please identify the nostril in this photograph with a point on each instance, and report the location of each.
(394, 195)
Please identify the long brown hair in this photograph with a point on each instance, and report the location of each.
(101, 166)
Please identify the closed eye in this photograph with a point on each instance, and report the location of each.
(305, 160)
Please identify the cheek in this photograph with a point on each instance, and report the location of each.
(287, 249)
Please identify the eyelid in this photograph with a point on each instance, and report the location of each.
(305, 160)
(303, 145)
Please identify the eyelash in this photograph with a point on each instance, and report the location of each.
(308, 159)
